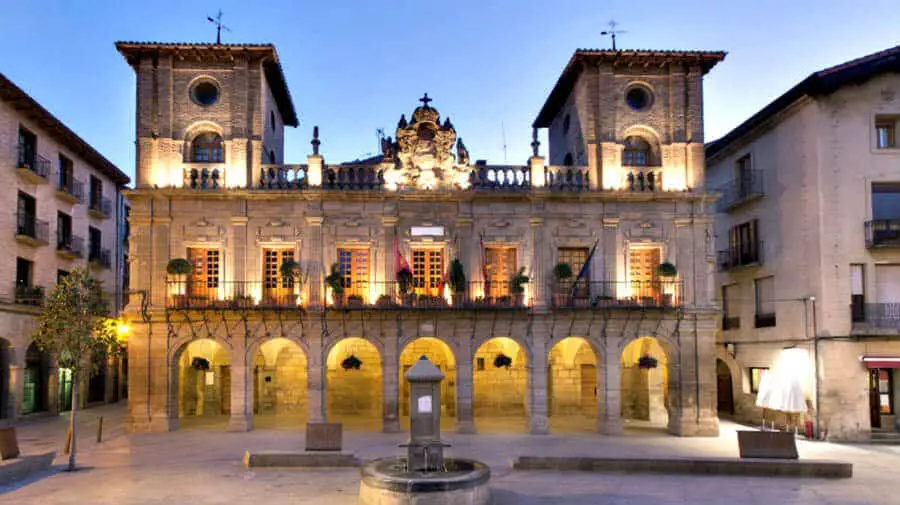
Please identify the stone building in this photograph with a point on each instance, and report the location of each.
(235, 342)
(64, 210)
(807, 239)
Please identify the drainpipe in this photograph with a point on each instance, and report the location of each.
(816, 432)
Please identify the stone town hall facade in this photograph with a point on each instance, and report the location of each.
(235, 343)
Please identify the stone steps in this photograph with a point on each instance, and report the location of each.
(881, 437)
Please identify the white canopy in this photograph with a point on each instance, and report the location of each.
(782, 387)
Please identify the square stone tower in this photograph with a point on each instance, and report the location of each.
(632, 117)
(207, 115)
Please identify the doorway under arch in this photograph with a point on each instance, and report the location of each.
(36, 381)
(724, 389)
(572, 386)
(280, 385)
(500, 383)
(644, 384)
(440, 354)
(354, 384)
(204, 385)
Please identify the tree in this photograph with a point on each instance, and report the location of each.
(75, 327)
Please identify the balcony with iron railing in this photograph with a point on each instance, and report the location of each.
(32, 167)
(617, 295)
(867, 317)
(69, 246)
(740, 256)
(730, 322)
(882, 233)
(100, 207)
(28, 295)
(744, 188)
(31, 231)
(101, 258)
(70, 190)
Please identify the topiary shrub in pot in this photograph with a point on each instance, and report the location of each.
(335, 281)
(517, 286)
(291, 270)
(404, 284)
(562, 272)
(457, 282)
(178, 270)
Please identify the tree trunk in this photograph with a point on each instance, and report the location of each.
(75, 386)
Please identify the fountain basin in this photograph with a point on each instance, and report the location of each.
(386, 482)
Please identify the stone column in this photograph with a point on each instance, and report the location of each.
(238, 251)
(465, 422)
(390, 380)
(241, 390)
(314, 259)
(315, 379)
(389, 225)
(538, 424)
(538, 282)
(159, 258)
(16, 387)
(610, 422)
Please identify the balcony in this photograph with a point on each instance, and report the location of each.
(567, 178)
(100, 207)
(618, 295)
(31, 231)
(496, 178)
(33, 168)
(731, 323)
(100, 258)
(743, 189)
(764, 320)
(882, 233)
(644, 179)
(29, 295)
(883, 316)
(71, 191)
(283, 177)
(70, 247)
(737, 257)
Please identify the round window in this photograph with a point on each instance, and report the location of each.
(205, 93)
(638, 97)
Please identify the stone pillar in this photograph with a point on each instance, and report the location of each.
(315, 380)
(314, 265)
(465, 422)
(238, 249)
(609, 248)
(655, 394)
(314, 166)
(536, 165)
(538, 424)
(16, 387)
(241, 390)
(610, 422)
(538, 284)
(159, 258)
(389, 225)
(390, 380)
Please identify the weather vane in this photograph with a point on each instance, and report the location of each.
(612, 32)
(218, 22)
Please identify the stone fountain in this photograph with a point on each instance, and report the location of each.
(424, 475)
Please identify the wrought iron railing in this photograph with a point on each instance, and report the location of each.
(212, 293)
(72, 187)
(100, 205)
(29, 295)
(882, 233)
(745, 255)
(28, 225)
(35, 162)
(615, 294)
(878, 315)
(745, 187)
(100, 257)
(70, 244)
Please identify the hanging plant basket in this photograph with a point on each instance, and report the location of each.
(200, 364)
(647, 362)
(351, 363)
(666, 269)
(502, 361)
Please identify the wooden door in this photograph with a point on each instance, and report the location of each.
(724, 388)
(642, 264)
(276, 288)
(428, 270)
(501, 265)
(204, 281)
(874, 399)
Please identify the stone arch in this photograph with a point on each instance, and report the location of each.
(740, 383)
(500, 393)
(441, 354)
(280, 369)
(630, 140)
(647, 387)
(201, 383)
(574, 378)
(523, 344)
(195, 130)
(354, 395)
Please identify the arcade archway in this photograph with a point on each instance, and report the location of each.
(354, 384)
(572, 386)
(204, 385)
(644, 384)
(500, 380)
(280, 385)
(441, 355)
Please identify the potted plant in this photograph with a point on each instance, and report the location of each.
(666, 269)
(179, 269)
(355, 301)
(502, 361)
(457, 282)
(351, 363)
(561, 273)
(605, 301)
(291, 270)
(517, 286)
(404, 284)
(384, 302)
(335, 281)
(647, 362)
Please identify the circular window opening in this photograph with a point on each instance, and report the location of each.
(205, 93)
(638, 98)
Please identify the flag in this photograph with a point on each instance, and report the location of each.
(584, 269)
(400, 262)
(484, 266)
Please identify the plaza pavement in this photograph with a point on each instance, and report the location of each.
(204, 467)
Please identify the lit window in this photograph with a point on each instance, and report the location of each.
(756, 377)
(636, 152)
(426, 231)
(207, 148)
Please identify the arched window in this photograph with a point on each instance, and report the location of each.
(567, 161)
(637, 152)
(207, 148)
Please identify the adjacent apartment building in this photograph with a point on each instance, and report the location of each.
(808, 240)
(234, 340)
(63, 209)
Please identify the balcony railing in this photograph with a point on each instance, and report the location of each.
(500, 177)
(100, 257)
(71, 189)
(883, 233)
(32, 230)
(567, 178)
(283, 177)
(747, 186)
(740, 256)
(29, 295)
(69, 246)
(614, 294)
(878, 315)
(352, 177)
(100, 206)
(32, 163)
(644, 180)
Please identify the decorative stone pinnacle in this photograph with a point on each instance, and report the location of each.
(315, 141)
(425, 100)
(535, 143)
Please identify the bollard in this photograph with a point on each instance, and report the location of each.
(100, 431)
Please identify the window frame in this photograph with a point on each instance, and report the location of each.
(889, 122)
(764, 319)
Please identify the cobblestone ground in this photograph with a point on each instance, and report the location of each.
(204, 467)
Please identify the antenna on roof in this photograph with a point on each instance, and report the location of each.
(218, 22)
(503, 133)
(612, 32)
(379, 136)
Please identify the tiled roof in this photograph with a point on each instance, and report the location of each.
(822, 82)
(21, 101)
(566, 81)
(272, 66)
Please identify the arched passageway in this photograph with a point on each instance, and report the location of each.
(204, 385)
(500, 393)
(441, 355)
(353, 384)
(572, 386)
(36, 381)
(645, 384)
(280, 385)
(724, 389)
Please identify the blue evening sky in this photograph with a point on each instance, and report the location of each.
(355, 66)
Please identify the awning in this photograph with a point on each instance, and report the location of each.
(872, 361)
